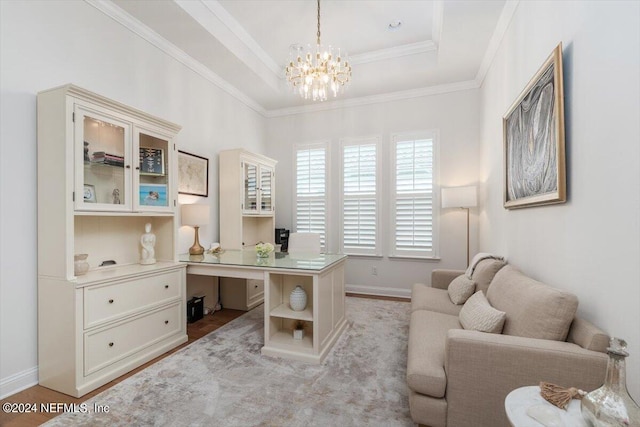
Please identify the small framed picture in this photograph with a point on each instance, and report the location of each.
(153, 195)
(151, 161)
(89, 195)
(193, 174)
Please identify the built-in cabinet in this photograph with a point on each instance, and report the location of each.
(247, 217)
(105, 170)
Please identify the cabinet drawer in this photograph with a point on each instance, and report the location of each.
(108, 302)
(255, 290)
(107, 346)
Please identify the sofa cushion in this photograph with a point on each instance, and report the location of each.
(533, 309)
(485, 271)
(460, 289)
(425, 297)
(425, 361)
(478, 315)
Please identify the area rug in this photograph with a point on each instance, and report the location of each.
(223, 380)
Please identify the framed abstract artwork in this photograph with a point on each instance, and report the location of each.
(534, 149)
(193, 174)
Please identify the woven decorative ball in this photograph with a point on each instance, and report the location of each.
(298, 299)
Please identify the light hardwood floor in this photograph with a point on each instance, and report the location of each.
(38, 394)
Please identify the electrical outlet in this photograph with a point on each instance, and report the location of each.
(374, 271)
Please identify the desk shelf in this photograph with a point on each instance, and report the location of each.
(284, 311)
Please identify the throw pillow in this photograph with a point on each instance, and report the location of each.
(460, 289)
(478, 315)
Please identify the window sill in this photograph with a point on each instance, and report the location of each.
(369, 256)
(413, 258)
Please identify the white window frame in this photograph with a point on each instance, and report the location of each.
(325, 144)
(435, 200)
(377, 250)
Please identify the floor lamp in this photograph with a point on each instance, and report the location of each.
(461, 197)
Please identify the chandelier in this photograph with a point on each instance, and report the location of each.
(314, 74)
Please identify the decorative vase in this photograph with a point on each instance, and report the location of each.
(80, 264)
(298, 299)
(611, 405)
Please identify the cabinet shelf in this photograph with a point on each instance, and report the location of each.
(284, 339)
(115, 213)
(102, 165)
(285, 312)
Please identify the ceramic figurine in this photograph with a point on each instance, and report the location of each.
(148, 241)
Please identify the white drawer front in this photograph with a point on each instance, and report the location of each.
(107, 346)
(255, 290)
(108, 302)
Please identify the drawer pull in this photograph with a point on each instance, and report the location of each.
(110, 344)
(166, 286)
(166, 322)
(111, 301)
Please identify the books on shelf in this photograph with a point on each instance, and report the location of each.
(107, 159)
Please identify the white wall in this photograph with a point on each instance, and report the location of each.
(454, 116)
(590, 245)
(47, 44)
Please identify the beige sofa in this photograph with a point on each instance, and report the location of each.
(460, 378)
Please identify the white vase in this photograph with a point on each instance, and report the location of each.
(298, 299)
(80, 264)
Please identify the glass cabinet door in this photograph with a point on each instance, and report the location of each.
(152, 184)
(250, 204)
(103, 163)
(266, 189)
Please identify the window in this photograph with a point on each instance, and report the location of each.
(311, 190)
(359, 233)
(413, 220)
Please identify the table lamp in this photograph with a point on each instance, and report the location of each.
(195, 216)
(460, 197)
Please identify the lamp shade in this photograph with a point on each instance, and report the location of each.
(195, 215)
(459, 197)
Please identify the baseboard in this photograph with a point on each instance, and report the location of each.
(379, 291)
(18, 382)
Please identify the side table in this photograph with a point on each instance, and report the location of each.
(518, 402)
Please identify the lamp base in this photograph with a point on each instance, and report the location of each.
(197, 248)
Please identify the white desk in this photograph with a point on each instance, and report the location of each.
(518, 402)
(322, 277)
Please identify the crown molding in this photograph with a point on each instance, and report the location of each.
(375, 99)
(393, 52)
(223, 27)
(137, 27)
(496, 39)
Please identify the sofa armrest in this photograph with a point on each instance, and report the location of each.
(440, 278)
(483, 368)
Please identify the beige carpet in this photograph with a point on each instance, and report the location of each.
(223, 380)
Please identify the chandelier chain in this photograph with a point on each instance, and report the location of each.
(318, 22)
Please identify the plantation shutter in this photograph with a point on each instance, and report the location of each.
(311, 194)
(413, 204)
(359, 234)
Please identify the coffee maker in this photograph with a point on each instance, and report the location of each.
(282, 238)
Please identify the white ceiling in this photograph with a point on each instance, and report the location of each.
(244, 44)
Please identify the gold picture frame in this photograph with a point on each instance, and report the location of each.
(533, 136)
